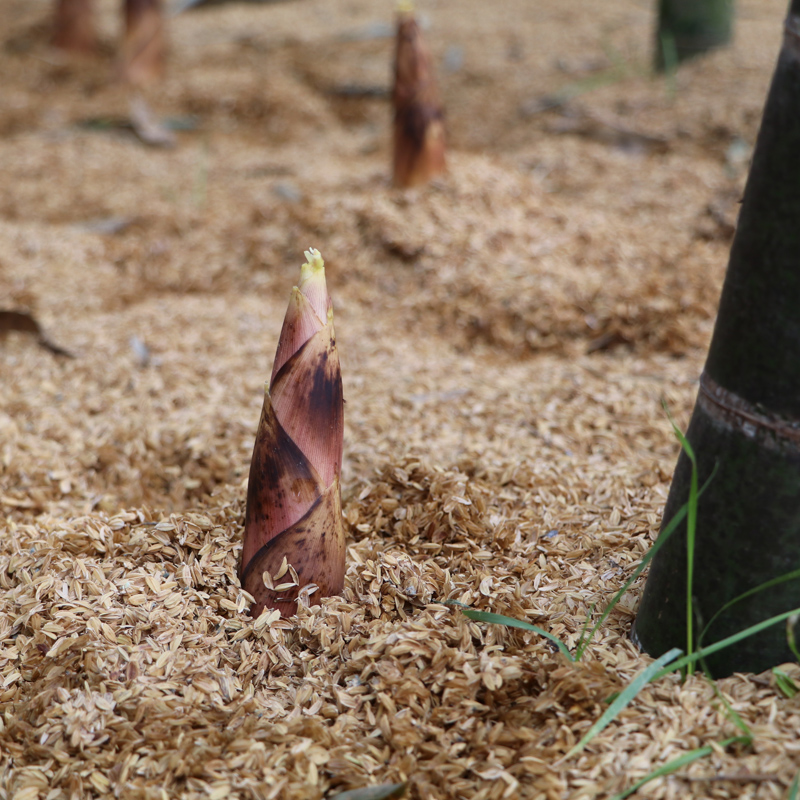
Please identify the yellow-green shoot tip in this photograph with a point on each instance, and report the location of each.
(314, 262)
(405, 7)
(312, 283)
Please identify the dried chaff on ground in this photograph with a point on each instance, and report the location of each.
(488, 459)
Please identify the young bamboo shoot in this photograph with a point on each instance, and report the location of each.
(294, 534)
(143, 51)
(418, 117)
(73, 26)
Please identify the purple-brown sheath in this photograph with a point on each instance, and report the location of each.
(294, 534)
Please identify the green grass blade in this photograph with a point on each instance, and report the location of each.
(382, 792)
(691, 530)
(688, 509)
(510, 622)
(670, 52)
(784, 683)
(732, 714)
(727, 642)
(659, 542)
(584, 628)
(676, 764)
(623, 699)
(570, 91)
(657, 545)
(749, 593)
(790, 639)
(794, 789)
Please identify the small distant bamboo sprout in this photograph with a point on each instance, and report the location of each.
(418, 118)
(294, 534)
(73, 26)
(143, 51)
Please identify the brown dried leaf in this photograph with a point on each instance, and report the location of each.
(147, 127)
(22, 321)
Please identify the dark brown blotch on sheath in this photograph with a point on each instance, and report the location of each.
(282, 487)
(309, 386)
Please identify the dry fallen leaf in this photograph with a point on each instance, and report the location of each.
(22, 321)
(147, 127)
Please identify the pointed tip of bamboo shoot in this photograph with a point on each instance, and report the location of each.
(314, 268)
(405, 7)
(312, 284)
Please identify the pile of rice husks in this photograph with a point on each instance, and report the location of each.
(507, 337)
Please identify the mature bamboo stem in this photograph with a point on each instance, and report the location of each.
(747, 416)
(687, 28)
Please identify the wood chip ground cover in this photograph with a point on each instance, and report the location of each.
(506, 336)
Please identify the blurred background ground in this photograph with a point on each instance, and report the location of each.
(507, 335)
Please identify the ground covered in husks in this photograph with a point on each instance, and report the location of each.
(507, 336)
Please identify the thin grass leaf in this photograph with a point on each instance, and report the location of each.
(382, 792)
(675, 765)
(670, 52)
(749, 593)
(727, 642)
(691, 530)
(584, 628)
(657, 545)
(584, 642)
(510, 622)
(794, 789)
(731, 713)
(623, 699)
(570, 91)
(784, 683)
(673, 524)
(790, 640)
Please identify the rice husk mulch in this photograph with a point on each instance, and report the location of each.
(507, 337)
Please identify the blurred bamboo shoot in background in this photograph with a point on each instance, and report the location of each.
(418, 117)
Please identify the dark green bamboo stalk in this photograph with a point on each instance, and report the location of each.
(687, 28)
(746, 417)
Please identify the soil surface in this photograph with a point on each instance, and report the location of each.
(507, 336)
